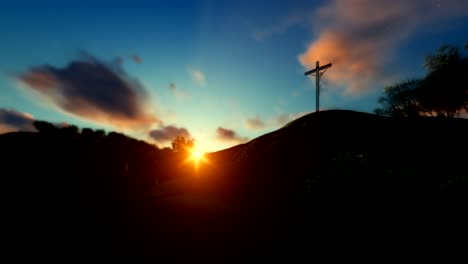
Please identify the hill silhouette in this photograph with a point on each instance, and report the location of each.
(328, 182)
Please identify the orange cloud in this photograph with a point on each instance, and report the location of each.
(358, 36)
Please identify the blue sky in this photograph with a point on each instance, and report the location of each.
(221, 72)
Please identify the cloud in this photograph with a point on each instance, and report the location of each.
(296, 94)
(119, 61)
(358, 36)
(198, 76)
(136, 59)
(179, 94)
(168, 133)
(225, 134)
(93, 90)
(283, 119)
(255, 123)
(172, 86)
(294, 18)
(12, 120)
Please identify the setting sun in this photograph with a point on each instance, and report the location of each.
(197, 157)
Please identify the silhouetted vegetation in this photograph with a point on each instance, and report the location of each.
(85, 179)
(334, 180)
(182, 145)
(442, 92)
(45, 127)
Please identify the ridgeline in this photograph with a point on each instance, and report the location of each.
(328, 182)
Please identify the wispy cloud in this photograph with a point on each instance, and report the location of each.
(172, 86)
(296, 93)
(166, 134)
(198, 76)
(358, 36)
(229, 135)
(274, 122)
(255, 123)
(12, 120)
(93, 90)
(178, 93)
(119, 61)
(136, 59)
(282, 119)
(294, 18)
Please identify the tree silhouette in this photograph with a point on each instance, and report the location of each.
(445, 88)
(45, 127)
(70, 131)
(442, 92)
(181, 145)
(400, 100)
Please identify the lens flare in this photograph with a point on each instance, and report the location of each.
(197, 158)
(196, 155)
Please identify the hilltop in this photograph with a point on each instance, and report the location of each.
(328, 181)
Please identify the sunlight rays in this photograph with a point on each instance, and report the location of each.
(197, 158)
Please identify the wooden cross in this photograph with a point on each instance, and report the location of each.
(318, 75)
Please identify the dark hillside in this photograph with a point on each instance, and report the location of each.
(334, 181)
(358, 174)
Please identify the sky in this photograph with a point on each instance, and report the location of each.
(221, 72)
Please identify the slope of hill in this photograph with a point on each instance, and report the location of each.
(353, 145)
(342, 129)
(364, 175)
(328, 181)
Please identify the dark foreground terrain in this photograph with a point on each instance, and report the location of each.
(333, 184)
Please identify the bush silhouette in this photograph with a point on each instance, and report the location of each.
(442, 92)
(45, 127)
(182, 145)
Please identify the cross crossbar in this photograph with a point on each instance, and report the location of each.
(319, 69)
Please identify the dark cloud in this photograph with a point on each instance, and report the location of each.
(172, 87)
(179, 94)
(118, 60)
(225, 134)
(94, 90)
(168, 133)
(136, 58)
(255, 123)
(359, 36)
(12, 120)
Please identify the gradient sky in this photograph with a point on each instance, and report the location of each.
(221, 72)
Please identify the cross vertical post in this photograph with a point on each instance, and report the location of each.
(317, 86)
(318, 75)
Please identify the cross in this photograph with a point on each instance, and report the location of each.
(318, 75)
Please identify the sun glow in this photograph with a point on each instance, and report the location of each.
(197, 157)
